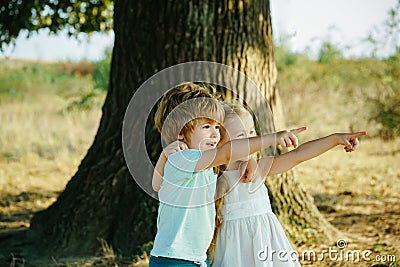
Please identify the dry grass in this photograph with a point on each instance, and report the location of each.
(40, 145)
(372, 170)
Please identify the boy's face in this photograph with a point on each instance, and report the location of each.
(205, 135)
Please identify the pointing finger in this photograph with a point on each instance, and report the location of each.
(298, 130)
(358, 134)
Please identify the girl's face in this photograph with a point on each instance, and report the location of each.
(238, 127)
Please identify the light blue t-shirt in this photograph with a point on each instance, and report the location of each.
(185, 223)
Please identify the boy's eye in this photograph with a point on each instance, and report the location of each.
(240, 135)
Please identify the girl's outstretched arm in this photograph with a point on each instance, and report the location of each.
(239, 148)
(306, 151)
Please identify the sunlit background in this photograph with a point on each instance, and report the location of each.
(302, 25)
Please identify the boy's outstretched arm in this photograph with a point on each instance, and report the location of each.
(309, 150)
(239, 148)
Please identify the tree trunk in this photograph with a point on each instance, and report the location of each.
(102, 200)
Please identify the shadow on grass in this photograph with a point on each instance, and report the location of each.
(16, 211)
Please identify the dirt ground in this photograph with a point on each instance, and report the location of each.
(372, 225)
(358, 193)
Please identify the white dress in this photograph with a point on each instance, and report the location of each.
(250, 234)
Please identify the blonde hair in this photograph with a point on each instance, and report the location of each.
(232, 110)
(221, 190)
(181, 108)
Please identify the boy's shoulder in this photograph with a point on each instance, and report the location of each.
(187, 154)
(184, 160)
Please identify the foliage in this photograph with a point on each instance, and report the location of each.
(101, 75)
(345, 92)
(284, 57)
(283, 54)
(328, 52)
(70, 82)
(71, 16)
(386, 102)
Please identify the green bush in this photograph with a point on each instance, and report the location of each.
(101, 74)
(386, 109)
(328, 52)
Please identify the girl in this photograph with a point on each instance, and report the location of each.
(247, 233)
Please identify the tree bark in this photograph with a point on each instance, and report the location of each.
(102, 200)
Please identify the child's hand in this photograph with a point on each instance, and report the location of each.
(175, 147)
(288, 138)
(349, 140)
(248, 170)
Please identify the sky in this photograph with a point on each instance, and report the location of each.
(302, 23)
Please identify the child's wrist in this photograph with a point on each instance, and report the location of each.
(336, 138)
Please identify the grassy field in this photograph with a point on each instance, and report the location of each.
(49, 114)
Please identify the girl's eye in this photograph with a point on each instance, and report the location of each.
(217, 127)
(206, 126)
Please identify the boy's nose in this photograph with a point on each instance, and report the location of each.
(214, 133)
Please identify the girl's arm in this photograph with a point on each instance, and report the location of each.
(158, 173)
(222, 187)
(306, 151)
(248, 170)
(239, 148)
